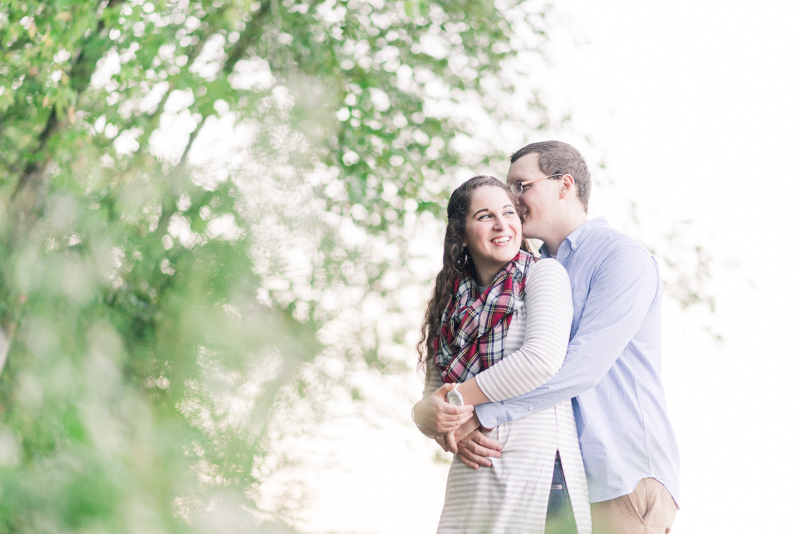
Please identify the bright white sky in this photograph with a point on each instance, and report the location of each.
(695, 108)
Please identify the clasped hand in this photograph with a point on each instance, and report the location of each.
(459, 427)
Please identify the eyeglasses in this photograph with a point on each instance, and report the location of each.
(519, 187)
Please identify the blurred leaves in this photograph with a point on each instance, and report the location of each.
(207, 222)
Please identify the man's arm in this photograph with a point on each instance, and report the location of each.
(620, 296)
(548, 305)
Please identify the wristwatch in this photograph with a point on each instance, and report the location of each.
(454, 397)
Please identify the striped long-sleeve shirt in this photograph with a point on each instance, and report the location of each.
(512, 495)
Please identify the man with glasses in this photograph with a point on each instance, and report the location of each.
(612, 370)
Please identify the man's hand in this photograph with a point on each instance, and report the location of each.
(439, 415)
(474, 449)
(453, 438)
(449, 441)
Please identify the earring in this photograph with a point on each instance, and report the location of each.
(463, 258)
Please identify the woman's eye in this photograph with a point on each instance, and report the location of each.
(509, 213)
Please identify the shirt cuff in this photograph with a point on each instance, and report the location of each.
(487, 414)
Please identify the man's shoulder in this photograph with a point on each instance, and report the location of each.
(608, 248)
(611, 240)
(609, 252)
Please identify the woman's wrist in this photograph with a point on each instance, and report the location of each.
(414, 419)
(472, 392)
(422, 428)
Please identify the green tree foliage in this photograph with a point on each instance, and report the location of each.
(155, 303)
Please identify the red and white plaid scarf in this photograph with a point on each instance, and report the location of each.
(474, 326)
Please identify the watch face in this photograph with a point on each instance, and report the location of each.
(454, 397)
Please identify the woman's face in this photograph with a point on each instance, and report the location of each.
(493, 231)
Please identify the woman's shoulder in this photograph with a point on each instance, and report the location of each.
(547, 269)
(547, 265)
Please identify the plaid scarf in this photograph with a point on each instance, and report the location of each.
(474, 326)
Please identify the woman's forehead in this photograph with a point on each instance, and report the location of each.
(490, 196)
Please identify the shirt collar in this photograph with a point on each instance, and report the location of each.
(578, 235)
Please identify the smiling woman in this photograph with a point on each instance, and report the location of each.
(457, 254)
(493, 231)
(494, 308)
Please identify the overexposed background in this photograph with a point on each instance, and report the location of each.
(692, 108)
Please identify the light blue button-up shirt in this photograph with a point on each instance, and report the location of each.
(612, 371)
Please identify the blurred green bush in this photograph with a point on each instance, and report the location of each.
(159, 297)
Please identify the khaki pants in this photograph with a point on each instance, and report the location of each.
(649, 509)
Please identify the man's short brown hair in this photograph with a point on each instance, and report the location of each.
(556, 157)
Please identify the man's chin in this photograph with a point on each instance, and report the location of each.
(529, 230)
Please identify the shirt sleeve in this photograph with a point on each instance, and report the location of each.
(548, 305)
(621, 294)
(433, 381)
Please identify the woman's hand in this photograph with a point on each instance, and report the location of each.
(439, 415)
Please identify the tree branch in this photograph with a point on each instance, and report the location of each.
(6, 338)
(247, 36)
(152, 119)
(192, 137)
(80, 74)
(250, 32)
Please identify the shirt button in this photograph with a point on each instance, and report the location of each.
(530, 408)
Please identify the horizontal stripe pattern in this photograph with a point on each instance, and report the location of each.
(511, 497)
(544, 339)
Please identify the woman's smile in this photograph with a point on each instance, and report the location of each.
(493, 231)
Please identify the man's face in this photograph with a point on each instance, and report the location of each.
(540, 198)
